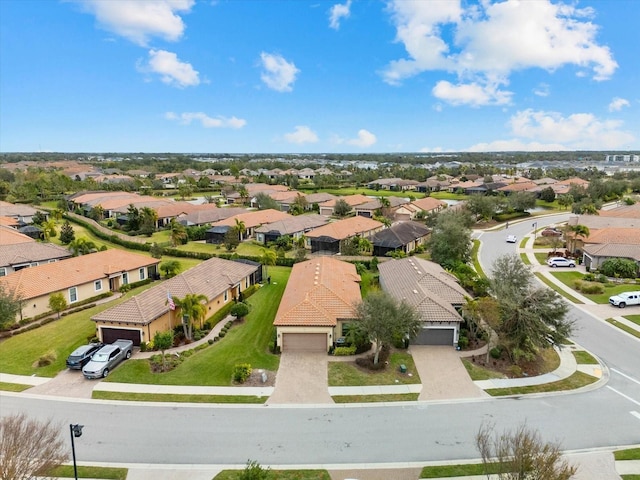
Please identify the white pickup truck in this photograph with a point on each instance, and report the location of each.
(107, 358)
(625, 298)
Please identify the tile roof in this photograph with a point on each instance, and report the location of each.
(425, 285)
(318, 293)
(53, 277)
(518, 187)
(254, 219)
(599, 221)
(429, 203)
(8, 222)
(626, 211)
(11, 236)
(22, 253)
(615, 235)
(399, 234)
(210, 278)
(352, 200)
(318, 198)
(345, 228)
(294, 224)
(16, 210)
(613, 250)
(203, 217)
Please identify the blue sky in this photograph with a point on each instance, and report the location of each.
(360, 76)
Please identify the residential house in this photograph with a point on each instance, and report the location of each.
(29, 254)
(425, 205)
(318, 304)
(251, 221)
(295, 227)
(209, 216)
(11, 236)
(326, 208)
(78, 278)
(401, 236)
(370, 208)
(141, 317)
(329, 238)
(433, 292)
(317, 198)
(23, 214)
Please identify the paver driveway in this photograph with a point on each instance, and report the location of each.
(302, 378)
(442, 373)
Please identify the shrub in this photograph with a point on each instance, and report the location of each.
(143, 346)
(495, 352)
(222, 334)
(241, 372)
(619, 267)
(602, 278)
(592, 288)
(211, 340)
(515, 371)
(253, 471)
(344, 351)
(463, 342)
(47, 359)
(589, 277)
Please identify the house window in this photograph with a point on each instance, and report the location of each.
(3, 272)
(125, 278)
(142, 273)
(97, 285)
(226, 295)
(73, 295)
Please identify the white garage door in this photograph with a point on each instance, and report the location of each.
(304, 342)
(435, 336)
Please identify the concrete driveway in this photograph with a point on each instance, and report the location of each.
(442, 373)
(68, 383)
(302, 378)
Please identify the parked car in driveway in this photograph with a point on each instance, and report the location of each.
(105, 359)
(561, 262)
(625, 298)
(551, 232)
(81, 355)
(512, 239)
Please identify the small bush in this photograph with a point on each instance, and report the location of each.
(47, 359)
(602, 278)
(241, 372)
(222, 334)
(463, 342)
(211, 340)
(589, 277)
(589, 287)
(515, 371)
(344, 351)
(495, 352)
(143, 346)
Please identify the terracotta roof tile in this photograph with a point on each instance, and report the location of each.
(254, 219)
(10, 236)
(318, 293)
(345, 228)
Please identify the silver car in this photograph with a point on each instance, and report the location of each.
(106, 359)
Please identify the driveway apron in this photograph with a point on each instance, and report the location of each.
(442, 373)
(68, 383)
(301, 378)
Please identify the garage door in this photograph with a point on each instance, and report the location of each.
(435, 336)
(304, 342)
(110, 335)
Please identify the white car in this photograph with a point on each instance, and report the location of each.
(560, 262)
(512, 239)
(625, 298)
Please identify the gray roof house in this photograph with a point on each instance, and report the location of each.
(29, 254)
(434, 293)
(295, 227)
(403, 236)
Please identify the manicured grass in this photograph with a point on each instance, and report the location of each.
(523, 242)
(444, 471)
(19, 354)
(627, 454)
(448, 196)
(525, 259)
(630, 477)
(396, 397)
(476, 260)
(541, 257)
(633, 318)
(583, 357)
(342, 374)
(177, 398)
(279, 475)
(13, 387)
(577, 380)
(245, 343)
(568, 278)
(626, 328)
(557, 289)
(106, 473)
(477, 372)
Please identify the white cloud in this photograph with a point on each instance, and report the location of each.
(617, 103)
(301, 134)
(138, 20)
(206, 121)
(492, 39)
(172, 70)
(278, 74)
(364, 139)
(552, 131)
(542, 90)
(471, 94)
(338, 12)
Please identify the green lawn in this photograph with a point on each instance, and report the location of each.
(633, 318)
(525, 259)
(343, 374)
(19, 354)
(523, 242)
(568, 278)
(476, 260)
(477, 372)
(583, 357)
(577, 380)
(246, 343)
(541, 257)
(13, 387)
(557, 289)
(177, 398)
(399, 397)
(625, 327)
(627, 454)
(106, 473)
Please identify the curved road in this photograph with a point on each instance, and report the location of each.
(155, 433)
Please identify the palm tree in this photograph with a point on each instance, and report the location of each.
(49, 229)
(267, 257)
(578, 230)
(178, 233)
(81, 246)
(244, 194)
(240, 228)
(193, 309)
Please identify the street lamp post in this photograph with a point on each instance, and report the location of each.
(535, 227)
(76, 431)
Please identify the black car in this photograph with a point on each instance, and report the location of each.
(81, 355)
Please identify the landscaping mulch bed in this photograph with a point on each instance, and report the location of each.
(255, 379)
(504, 365)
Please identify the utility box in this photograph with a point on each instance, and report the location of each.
(403, 368)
